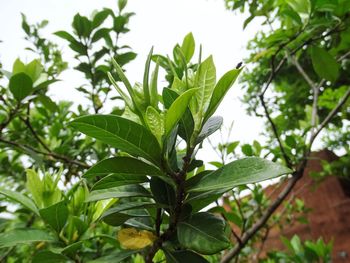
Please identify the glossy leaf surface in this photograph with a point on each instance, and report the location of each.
(121, 133)
(244, 171)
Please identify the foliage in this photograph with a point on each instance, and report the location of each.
(131, 188)
(149, 155)
(298, 251)
(305, 46)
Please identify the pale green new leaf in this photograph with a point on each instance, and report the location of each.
(35, 187)
(244, 171)
(146, 90)
(155, 123)
(125, 97)
(188, 46)
(154, 87)
(177, 109)
(20, 198)
(205, 80)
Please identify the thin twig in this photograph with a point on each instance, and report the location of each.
(249, 233)
(36, 136)
(50, 154)
(330, 116)
(274, 129)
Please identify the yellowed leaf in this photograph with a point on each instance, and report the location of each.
(131, 238)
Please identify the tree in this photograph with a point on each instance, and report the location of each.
(303, 48)
(133, 188)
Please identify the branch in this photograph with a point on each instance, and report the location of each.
(330, 116)
(50, 154)
(36, 136)
(296, 175)
(288, 188)
(265, 217)
(180, 179)
(274, 129)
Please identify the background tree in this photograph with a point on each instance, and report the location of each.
(303, 49)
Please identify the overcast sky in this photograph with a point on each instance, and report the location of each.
(158, 23)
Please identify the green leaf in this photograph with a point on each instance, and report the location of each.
(290, 141)
(247, 149)
(181, 256)
(154, 87)
(121, 133)
(18, 67)
(114, 257)
(122, 4)
(177, 110)
(20, 198)
(146, 78)
(82, 25)
(115, 180)
(116, 216)
(324, 64)
(65, 35)
(244, 171)
(48, 103)
(34, 186)
(21, 85)
(220, 90)
(231, 147)
(101, 33)
(155, 123)
(205, 79)
(300, 6)
(44, 84)
(204, 233)
(55, 215)
(211, 126)
(99, 18)
(163, 193)
(122, 165)
(188, 46)
(49, 257)
(186, 124)
(124, 58)
(128, 206)
(118, 192)
(24, 236)
(34, 69)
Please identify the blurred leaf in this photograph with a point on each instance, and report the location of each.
(56, 215)
(21, 85)
(24, 236)
(324, 64)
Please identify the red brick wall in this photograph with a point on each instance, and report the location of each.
(330, 215)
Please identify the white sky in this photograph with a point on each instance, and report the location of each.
(158, 23)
